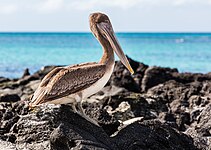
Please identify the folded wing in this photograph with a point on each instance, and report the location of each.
(63, 81)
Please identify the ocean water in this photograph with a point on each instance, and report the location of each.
(189, 52)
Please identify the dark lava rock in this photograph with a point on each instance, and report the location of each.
(27, 79)
(184, 101)
(64, 128)
(9, 98)
(203, 126)
(9, 117)
(201, 130)
(121, 77)
(2, 79)
(143, 106)
(26, 73)
(191, 77)
(152, 135)
(156, 75)
(181, 101)
(57, 127)
(172, 90)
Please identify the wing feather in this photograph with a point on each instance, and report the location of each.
(47, 78)
(64, 81)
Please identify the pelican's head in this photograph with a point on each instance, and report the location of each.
(101, 27)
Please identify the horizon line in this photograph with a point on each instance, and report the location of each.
(205, 32)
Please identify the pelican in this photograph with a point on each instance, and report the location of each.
(73, 84)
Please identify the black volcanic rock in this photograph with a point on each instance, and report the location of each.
(203, 127)
(191, 77)
(152, 135)
(156, 75)
(57, 127)
(201, 131)
(172, 109)
(2, 79)
(26, 73)
(121, 77)
(9, 98)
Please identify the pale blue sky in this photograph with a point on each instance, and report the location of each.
(126, 15)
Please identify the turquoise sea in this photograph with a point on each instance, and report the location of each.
(189, 52)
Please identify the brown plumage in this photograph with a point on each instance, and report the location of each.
(74, 83)
(63, 81)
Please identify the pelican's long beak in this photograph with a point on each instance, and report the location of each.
(107, 31)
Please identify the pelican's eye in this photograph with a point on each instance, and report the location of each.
(106, 21)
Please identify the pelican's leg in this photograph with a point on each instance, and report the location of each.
(82, 113)
(74, 108)
(77, 108)
(80, 107)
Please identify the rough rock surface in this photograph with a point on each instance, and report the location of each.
(57, 127)
(156, 108)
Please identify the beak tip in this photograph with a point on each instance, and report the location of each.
(131, 70)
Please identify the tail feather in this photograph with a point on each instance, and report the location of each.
(38, 97)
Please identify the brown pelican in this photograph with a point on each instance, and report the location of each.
(72, 84)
